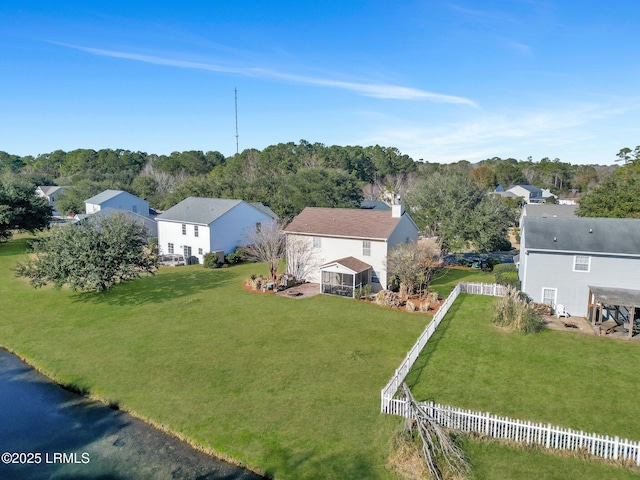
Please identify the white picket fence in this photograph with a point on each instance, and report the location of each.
(527, 432)
(491, 425)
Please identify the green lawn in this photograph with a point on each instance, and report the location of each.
(448, 278)
(290, 387)
(577, 381)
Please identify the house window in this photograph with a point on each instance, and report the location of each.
(374, 277)
(134, 209)
(366, 248)
(195, 230)
(317, 242)
(184, 229)
(581, 263)
(199, 251)
(170, 248)
(549, 296)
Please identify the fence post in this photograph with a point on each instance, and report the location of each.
(548, 442)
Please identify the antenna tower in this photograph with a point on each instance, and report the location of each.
(236, 93)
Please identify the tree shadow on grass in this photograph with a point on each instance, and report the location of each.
(160, 288)
(420, 366)
(14, 247)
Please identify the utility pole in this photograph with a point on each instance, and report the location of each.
(236, 94)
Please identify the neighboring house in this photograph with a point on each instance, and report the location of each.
(547, 210)
(529, 193)
(564, 261)
(346, 248)
(119, 200)
(197, 226)
(149, 223)
(50, 192)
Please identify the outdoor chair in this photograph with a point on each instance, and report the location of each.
(561, 311)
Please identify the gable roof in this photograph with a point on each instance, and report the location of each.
(199, 210)
(344, 222)
(207, 210)
(528, 188)
(549, 210)
(350, 263)
(48, 190)
(583, 234)
(108, 195)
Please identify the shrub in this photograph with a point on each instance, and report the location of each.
(211, 260)
(255, 281)
(363, 292)
(513, 312)
(507, 274)
(504, 267)
(233, 258)
(492, 262)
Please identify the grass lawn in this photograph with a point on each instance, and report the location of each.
(290, 387)
(449, 277)
(577, 381)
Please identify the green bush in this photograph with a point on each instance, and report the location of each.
(504, 267)
(492, 262)
(507, 274)
(211, 260)
(233, 258)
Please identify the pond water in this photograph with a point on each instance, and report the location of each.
(65, 436)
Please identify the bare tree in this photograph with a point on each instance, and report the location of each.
(266, 244)
(300, 256)
(413, 263)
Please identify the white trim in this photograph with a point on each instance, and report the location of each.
(555, 296)
(575, 262)
(578, 252)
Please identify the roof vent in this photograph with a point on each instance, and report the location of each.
(591, 230)
(555, 239)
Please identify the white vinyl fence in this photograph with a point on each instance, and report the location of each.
(527, 432)
(491, 425)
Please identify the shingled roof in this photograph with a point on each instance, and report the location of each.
(583, 234)
(344, 222)
(205, 211)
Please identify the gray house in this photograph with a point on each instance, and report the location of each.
(567, 261)
(547, 210)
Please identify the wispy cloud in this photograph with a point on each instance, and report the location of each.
(574, 128)
(376, 90)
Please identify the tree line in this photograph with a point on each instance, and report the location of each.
(446, 200)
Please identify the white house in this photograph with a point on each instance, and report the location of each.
(343, 248)
(197, 226)
(530, 193)
(582, 264)
(50, 192)
(118, 199)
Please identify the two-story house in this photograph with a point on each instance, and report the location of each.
(197, 226)
(348, 246)
(566, 261)
(118, 200)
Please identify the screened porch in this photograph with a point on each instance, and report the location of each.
(344, 277)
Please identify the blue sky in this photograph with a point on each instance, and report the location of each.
(439, 80)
